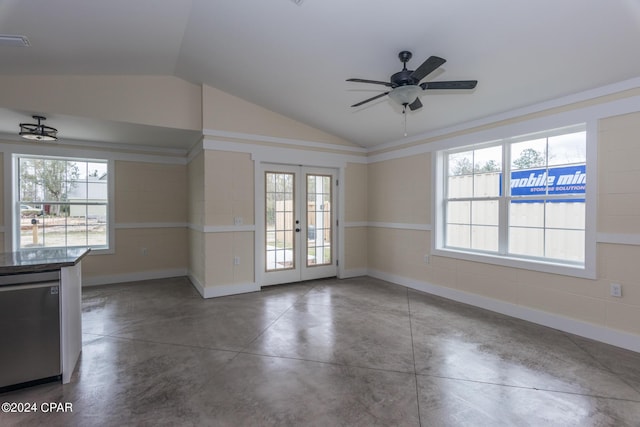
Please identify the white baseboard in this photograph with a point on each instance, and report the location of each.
(224, 290)
(353, 272)
(584, 329)
(132, 277)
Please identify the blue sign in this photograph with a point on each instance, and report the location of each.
(538, 182)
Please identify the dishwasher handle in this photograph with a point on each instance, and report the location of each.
(55, 287)
(30, 278)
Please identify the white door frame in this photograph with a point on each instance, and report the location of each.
(300, 270)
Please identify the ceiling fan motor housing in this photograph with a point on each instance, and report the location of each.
(403, 78)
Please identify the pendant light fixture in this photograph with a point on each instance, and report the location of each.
(38, 132)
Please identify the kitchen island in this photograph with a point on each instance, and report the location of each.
(58, 272)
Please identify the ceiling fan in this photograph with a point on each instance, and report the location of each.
(405, 85)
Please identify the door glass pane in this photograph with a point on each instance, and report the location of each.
(319, 221)
(280, 227)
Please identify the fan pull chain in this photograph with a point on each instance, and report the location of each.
(404, 112)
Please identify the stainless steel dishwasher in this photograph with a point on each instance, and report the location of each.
(29, 329)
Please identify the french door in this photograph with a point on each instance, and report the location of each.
(299, 234)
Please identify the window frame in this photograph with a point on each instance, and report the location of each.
(15, 199)
(438, 235)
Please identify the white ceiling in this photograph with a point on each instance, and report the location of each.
(294, 59)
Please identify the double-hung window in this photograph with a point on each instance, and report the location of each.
(517, 199)
(61, 202)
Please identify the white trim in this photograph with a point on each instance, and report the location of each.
(196, 284)
(400, 226)
(39, 149)
(516, 113)
(520, 263)
(138, 225)
(9, 203)
(591, 199)
(228, 228)
(132, 277)
(259, 219)
(286, 155)
(356, 224)
(106, 146)
(197, 148)
(222, 228)
(618, 238)
(111, 200)
(394, 225)
(296, 143)
(603, 334)
(224, 290)
(353, 272)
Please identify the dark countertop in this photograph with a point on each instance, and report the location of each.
(38, 260)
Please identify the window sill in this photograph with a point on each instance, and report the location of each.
(526, 264)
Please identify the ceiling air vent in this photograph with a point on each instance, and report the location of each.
(14, 41)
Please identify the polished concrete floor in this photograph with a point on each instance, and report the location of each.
(357, 352)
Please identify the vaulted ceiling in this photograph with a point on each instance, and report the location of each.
(294, 59)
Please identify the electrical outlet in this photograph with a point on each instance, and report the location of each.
(144, 252)
(616, 290)
(237, 220)
(236, 260)
(426, 259)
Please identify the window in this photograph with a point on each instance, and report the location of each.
(520, 199)
(61, 202)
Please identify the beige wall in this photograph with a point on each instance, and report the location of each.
(150, 192)
(619, 178)
(224, 112)
(195, 183)
(228, 186)
(228, 194)
(150, 219)
(356, 193)
(151, 100)
(400, 190)
(356, 211)
(400, 253)
(166, 255)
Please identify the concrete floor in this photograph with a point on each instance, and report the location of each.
(357, 352)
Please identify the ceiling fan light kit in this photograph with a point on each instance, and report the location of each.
(38, 132)
(405, 95)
